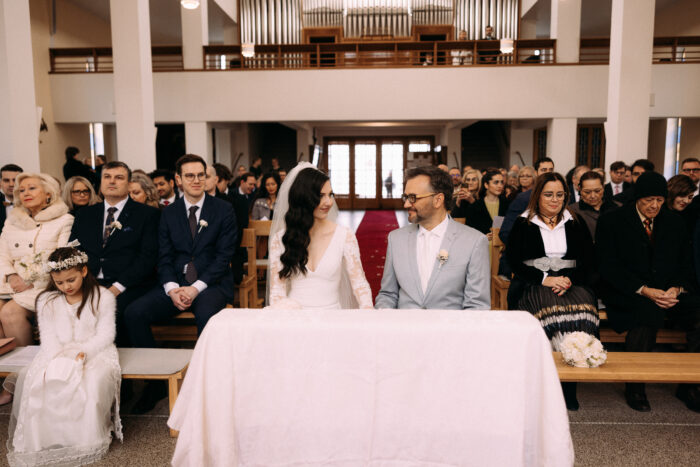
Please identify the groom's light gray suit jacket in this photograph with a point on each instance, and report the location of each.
(461, 282)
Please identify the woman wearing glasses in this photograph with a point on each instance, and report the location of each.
(491, 203)
(526, 178)
(550, 253)
(78, 193)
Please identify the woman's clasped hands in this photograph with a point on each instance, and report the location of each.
(559, 284)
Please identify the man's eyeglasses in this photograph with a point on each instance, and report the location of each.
(588, 192)
(412, 198)
(191, 177)
(697, 170)
(80, 192)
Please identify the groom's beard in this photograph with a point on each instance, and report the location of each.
(414, 217)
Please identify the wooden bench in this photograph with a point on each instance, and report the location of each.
(146, 364)
(635, 367)
(499, 284)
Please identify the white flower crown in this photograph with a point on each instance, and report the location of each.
(78, 259)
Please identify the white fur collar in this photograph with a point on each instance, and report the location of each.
(19, 217)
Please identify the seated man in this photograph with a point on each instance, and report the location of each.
(197, 237)
(644, 260)
(120, 237)
(434, 262)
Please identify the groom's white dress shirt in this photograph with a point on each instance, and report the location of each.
(427, 248)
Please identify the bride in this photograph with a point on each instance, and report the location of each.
(314, 262)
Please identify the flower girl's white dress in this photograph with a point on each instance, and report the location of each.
(64, 411)
(323, 288)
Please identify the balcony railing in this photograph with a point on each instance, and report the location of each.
(685, 49)
(390, 54)
(99, 59)
(379, 54)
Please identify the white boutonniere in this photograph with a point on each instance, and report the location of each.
(202, 224)
(443, 256)
(116, 225)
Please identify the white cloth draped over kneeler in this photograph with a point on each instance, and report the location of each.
(371, 388)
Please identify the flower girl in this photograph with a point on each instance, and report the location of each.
(67, 400)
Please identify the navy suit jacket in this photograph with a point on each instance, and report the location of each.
(515, 208)
(3, 214)
(212, 248)
(131, 253)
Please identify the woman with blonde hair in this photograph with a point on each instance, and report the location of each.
(143, 190)
(38, 224)
(468, 194)
(526, 178)
(78, 193)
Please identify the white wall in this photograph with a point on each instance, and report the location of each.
(384, 94)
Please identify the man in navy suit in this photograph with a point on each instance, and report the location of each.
(120, 237)
(617, 183)
(197, 237)
(8, 173)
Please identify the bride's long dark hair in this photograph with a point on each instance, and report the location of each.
(304, 197)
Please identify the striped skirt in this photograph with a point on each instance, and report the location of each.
(576, 310)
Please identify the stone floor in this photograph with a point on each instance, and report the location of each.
(605, 432)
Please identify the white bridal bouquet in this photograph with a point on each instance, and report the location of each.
(582, 350)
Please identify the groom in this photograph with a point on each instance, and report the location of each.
(435, 262)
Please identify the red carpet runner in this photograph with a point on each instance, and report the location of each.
(372, 237)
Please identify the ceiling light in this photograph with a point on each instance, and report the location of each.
(189, 4)
(248, 50)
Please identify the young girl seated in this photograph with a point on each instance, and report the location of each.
(67, 401)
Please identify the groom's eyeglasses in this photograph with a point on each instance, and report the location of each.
(412, 198)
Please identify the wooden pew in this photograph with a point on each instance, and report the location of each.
(635, 367)
(499, 284)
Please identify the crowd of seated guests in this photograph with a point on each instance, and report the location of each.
(138, 231)
(633, 243)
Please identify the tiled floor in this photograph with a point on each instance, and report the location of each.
(605, 432)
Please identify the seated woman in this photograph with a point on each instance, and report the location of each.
(143, 190)
(681, 191)
(264, 205)
(314, 262)
(551, 254)
(79, 193)
(468, 194)
(491, 203)
(35, 227)
(67, 399)
(592, 203)
(526, 178)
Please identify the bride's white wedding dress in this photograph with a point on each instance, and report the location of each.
(320, 289)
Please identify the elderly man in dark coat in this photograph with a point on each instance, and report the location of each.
(644, 258)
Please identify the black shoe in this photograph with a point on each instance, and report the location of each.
(569, 390)
(152, 394)
(690, 395)
(637, 401)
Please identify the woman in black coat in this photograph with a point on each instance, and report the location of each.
(551, 254)
(491, 203)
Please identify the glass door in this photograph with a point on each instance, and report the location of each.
(392, 169)
(365, 174)
(339, 172)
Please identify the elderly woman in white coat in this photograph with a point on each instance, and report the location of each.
(37, 225)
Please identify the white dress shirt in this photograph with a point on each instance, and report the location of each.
(120, 207)
(554, 239)
(199, 285)
(427, 248)
(616, 188)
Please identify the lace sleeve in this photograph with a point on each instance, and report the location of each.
(278, 287)
(353, 267)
